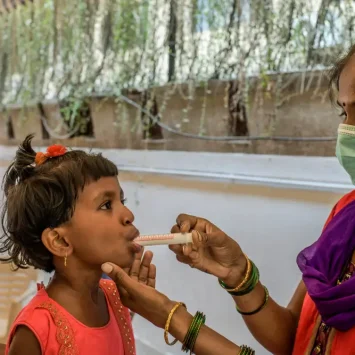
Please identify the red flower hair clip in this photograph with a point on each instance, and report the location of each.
(55, 150)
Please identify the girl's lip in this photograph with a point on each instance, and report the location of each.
(134, 235)
(136, 247)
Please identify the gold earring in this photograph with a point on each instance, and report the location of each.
(65, 259)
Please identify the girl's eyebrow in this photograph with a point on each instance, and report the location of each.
(104, 195)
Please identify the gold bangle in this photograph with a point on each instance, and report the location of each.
(246, 277)
(168, 321)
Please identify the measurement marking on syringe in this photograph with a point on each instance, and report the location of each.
(155, 237)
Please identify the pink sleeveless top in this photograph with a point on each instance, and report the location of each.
(58, 332)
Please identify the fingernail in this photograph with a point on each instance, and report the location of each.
(184, 248)
(199, 236)
(107, 268)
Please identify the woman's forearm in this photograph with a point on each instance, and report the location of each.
(208, 341)
(274, 326)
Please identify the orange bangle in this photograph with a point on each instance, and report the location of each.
(245, 280)
(167, 324)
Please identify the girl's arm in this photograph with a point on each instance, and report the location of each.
(24, 342)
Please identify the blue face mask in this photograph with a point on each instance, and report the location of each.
(345, 149)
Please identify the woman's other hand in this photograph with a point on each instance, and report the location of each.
(141, 297)
(142, 269)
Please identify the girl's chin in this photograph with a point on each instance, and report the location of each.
(125, 261)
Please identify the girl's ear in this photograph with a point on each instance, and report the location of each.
(56, 242)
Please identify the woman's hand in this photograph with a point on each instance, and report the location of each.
(212, 250)
(155, 307)
(142, 270)
(139, 297)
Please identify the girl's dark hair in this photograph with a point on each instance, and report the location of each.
(40, 197)
(336, 71)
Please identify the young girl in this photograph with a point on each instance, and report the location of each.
(64, 212)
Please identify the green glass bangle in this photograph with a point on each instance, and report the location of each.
(226, 287)
(197, 331)
(246, 350)
(194, 329)
(250, 284)
(259, 308)
(189, 332)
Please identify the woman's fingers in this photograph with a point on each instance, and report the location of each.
(134, 271)
(152, 275)
(194, 256)
(194, 261)
(183, 259)
(176, 248)
(126, 286)
(187, 249)
(182, 249)
(144, 267)
(186, 222)
(175, 229)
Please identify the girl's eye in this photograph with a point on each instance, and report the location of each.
(124, 201)
(106, 206)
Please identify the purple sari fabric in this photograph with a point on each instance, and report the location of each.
(322, 264)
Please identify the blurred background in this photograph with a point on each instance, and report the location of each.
(217, 108)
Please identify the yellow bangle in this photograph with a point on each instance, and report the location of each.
(245, 280)
(167, 324)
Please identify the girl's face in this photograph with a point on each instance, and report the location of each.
(346, 98)
(101, 229)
